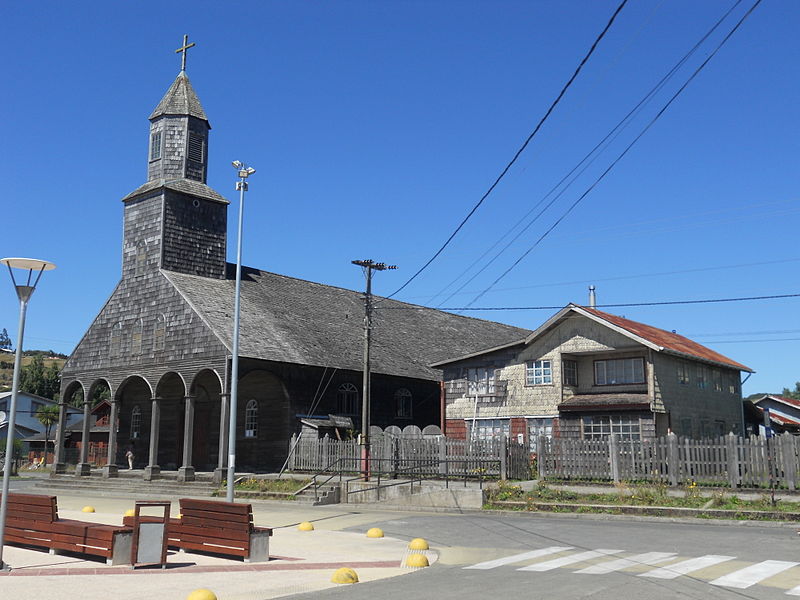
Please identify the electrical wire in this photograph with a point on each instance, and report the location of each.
(585, 162)
(519, 152)
(624, 152)
(618, 305)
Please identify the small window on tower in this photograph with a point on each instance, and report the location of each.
(195, 148)
(155, 146)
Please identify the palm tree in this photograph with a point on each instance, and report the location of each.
(47, 415)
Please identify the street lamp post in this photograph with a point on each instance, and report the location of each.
(35, 268)
(241, 186)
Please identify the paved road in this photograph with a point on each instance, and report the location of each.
(528, 556)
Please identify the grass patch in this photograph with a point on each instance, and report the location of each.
(637, 495)
(276, 486)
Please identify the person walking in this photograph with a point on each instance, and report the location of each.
(129, 456)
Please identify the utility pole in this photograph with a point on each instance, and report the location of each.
(369, 266)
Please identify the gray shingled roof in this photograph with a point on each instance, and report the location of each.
(185, 186)
(296, 321)
(180, 99)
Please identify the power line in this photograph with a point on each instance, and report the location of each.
(586, 162)
(624, 152)
(753, 341)
(618, 305)
(519, 152)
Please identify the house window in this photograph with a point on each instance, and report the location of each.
(489, 429)
(538, 427)
(402, 403)
(538, 372)
(686, 426)
(598, 427)
(160, 333)
(136, 338)
(251, 419)
(619, 371)
(702, 380)
(136, 422)
(733, 383)
(347, 397)
(116, 340)
(4, 405)
(570, 372)
(481, 381)
(36, 407)
(716, 374)
(195, 153)
(683, 372)
(155, 145)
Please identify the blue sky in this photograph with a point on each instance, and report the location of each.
(376, 126)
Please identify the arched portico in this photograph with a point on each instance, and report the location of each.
(201, 406)
(133, 402)
(84, 467)
(72, 388)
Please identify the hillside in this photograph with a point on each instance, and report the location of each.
(7, 366)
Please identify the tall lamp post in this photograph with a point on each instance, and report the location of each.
(241, 186)
(369, 266)
(35, 269)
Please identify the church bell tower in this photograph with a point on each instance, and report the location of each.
(175, 221)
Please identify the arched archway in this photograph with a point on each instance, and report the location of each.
(170, 394)
(201, 414)
(134, 404)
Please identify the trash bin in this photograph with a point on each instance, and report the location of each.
(149, 545)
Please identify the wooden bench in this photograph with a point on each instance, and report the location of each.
(32, 520)
(173, 528)
(222, 528)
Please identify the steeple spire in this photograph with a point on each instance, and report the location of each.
(184, 49)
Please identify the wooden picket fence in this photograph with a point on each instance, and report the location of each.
(727, 461)
(423, 456)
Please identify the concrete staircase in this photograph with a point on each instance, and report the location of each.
(129, 484)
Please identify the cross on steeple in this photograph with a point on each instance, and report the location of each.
(184, 49)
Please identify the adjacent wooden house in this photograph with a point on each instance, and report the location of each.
(587, 374)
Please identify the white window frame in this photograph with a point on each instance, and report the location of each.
(569, 368)
(600, 427)
(623, 371)
(539, 372)
(489, 429)
(480, 381)
(136, 422)
(251, 419)
(538, 426)
(684, 378)
(348, 398)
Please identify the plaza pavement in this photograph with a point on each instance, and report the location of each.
(299, 561)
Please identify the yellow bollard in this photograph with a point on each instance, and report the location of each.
(305, 526)
(130, 512)
(375, 532)
(87, 509)
(418, 544)
(344, 575)
(417, 560)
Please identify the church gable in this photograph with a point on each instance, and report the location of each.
(143, 326)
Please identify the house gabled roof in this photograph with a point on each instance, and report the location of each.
(290, 320)
(652, 337)
(782, 399)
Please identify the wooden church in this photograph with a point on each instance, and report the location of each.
(162, 342)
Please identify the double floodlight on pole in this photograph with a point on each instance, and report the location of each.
(369, 266)
(241, 186)
(35, 268)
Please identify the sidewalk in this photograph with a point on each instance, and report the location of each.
(299, 561)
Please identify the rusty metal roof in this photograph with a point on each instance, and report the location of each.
(666, 339)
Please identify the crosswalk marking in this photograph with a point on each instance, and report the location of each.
(687, 566)
(744, 578)
(648, 558)
(568, 560)
(491, 564)
(795, 591)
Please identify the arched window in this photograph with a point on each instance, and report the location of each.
(347, 397)
(116, 340)
(251, 419)
(136, 422)
(136, 337)
(160, 333)
(402, 403)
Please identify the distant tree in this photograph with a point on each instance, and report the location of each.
(48, 416)
(5, 341)
(792, 393)
(37, 379)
